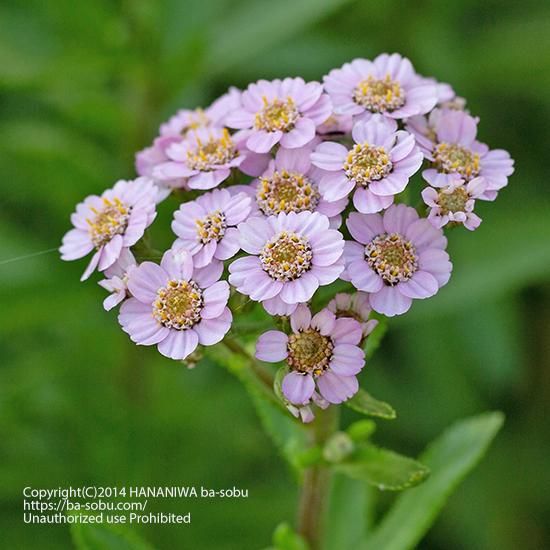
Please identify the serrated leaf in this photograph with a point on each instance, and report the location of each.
(365, 403)
(285, 538)
(97, 536)
(450, 458)
(384, 469)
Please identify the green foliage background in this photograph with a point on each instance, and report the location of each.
(83, 85)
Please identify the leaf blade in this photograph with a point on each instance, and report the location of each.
(450, 458)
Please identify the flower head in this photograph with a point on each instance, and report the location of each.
(455, 203)
(149, 158)
(456, 154)
(116, 279)
(176, 306)
(291, 256)
(388, 86)
(322, 353)
(396, 258)
(207, 228)
(291, 184)
(355, 306)
(282, 111)
(378, 166)
(109, 223)
(186, 120)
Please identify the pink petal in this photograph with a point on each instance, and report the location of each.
(335, 388)
(324, 321)
(347, 331)
(389, 301)
(298, 388)
(179, 344)
(347, 360)
(421, 285)
(272, 346)
(215, 299)
(301, 318)
(145, 280)
(212, 331)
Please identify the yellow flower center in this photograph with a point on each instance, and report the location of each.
(213, 153)
(367, 163)
(178, 305)
(111, 220)
(286, 192)
(212, 227)
(379, 95)
(277, 114)
(309, 352)
(286, 256)
(454, 201)
(392, 257)
(453, 158)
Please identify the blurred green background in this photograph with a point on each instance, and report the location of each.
(83, 85)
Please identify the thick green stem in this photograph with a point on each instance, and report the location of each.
(314, 495)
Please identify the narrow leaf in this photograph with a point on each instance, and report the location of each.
(365, 403)
(450, 458)
(384, 469)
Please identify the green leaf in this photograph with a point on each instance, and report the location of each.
(103, 536)
(285, 538)
(365, 403)
(350, 513)
(450, 458)
(383, 469)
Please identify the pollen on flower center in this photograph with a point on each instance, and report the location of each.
(111, 220)
(367, 163)
(277, 114)
(454, 201)
(453, 158)
(212, 153)
(379, 95)
(286, 192)
(211, 228)
(178, 304)
(286, 256)
(392, 257)
(309, 352)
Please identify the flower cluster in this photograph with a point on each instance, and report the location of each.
(281, 189)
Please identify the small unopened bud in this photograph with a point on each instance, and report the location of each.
(338, 447)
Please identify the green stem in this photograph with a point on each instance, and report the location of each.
(314, 494)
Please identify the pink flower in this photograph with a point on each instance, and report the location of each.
(356, 306)
(397, 257)
(291, 184)
(149, 158)
(455, 203)
(116, 281)
(291, 256)
(214, 115)
(207, 228)
(322, 353)
(176, 306)
(109, 223)
(205, 158)
(388, 85)
(378, 166)
(455, 154)
(282, 111)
